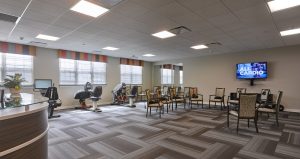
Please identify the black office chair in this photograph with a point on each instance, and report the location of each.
(132, 95)
(53, 101)
(95, 97)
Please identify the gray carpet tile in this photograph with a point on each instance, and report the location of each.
(122, 132)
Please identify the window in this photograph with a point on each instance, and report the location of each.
(167, 76)
(77, 72)
(131, 74)
(15, 63)
(180, 77)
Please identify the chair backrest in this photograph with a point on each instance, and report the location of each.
(186, 91)
(140, 89)
(165, 89)
(97, 91)
(193, 92)
(278, 101)
(155, 88)
(264, 94)
(158, 93)
(220, 92)
(247, 105)
(51, 93)
(172, 93)
(148, 96)
(134, 90)
(239, 91)
(178, 89)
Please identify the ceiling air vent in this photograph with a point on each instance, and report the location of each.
(8, 18)
(36, 43)
(180, 30)
(214, 44)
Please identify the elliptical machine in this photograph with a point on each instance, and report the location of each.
(119, 94)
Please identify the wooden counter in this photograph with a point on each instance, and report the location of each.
(23, 129)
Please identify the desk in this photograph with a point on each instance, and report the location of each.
(24, 127)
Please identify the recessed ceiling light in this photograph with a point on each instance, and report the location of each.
(163, 34)
(290, 32)
(47, 37)
(199, 47)
(149, 55)
(277, 5)
(89, 8)
(110, 48)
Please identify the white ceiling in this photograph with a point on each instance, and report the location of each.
(239, 25)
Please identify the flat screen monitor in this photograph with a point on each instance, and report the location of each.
(42, 83)
(252, 70)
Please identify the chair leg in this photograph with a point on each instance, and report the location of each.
(237, 126)
(202, 104)
(255, 122)
(191, 105)
(277, 119)
(221, 105)
(227, 119)
(248, 123)
(160, 112)
(150, 111)
(167, 107)
(147, 112)
(209, 104)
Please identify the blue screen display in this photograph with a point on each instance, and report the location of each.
(251, 70)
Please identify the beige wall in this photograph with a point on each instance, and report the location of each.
(209, 72)
(46, 65)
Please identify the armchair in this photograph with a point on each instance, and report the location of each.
(233, 99)
(195, 97)
(218, 97)
(274, 109)
(153, 102)
(246, 110)
(177, 98)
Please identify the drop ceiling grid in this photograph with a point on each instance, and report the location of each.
(239, 26)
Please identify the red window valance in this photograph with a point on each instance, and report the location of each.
(81, 56)
(125, 61)
(7, 47)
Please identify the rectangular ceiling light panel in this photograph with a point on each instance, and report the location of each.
(163, 34)
(148, 55)
(89, 8)
(110, 48)
(277, 5)
(47, 37)
(290, 32)
(197, 47)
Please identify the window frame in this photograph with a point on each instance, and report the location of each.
(171, 76)
(4, 70)
(131, 73)
(76, 72)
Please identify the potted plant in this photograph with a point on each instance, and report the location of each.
(13, 83)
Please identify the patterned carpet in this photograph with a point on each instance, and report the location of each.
(122, 132)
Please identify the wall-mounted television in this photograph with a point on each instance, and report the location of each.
(252, 70)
